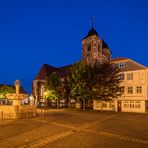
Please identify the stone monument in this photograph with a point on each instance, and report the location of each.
(17, 110)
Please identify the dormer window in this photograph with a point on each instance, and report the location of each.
(122, 65)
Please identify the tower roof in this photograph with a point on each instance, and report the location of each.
(104, 45)
(91, 32)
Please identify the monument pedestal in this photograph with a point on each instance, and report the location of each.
(16, 102)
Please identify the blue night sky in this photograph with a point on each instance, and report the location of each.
(34, 32)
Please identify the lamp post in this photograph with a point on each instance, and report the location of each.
(45, 100)
(45, 105)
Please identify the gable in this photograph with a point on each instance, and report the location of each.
(46, 70)
(129, 65)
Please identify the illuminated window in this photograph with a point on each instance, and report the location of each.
(129, 76)
(130, 90)
(104, 104)
(72, 101)
(132, 104)
(111, 104)
(138, 89)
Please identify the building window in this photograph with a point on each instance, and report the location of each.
(115, 65)
(72, 101)
(89, 48)
(122, 90)
(121, 76)
(130, 76)
(130, 90)
(104, 105)
(111, 104)
(132, 104)
(138, 89)
(121, 65)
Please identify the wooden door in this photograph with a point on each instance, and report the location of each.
(119, 106)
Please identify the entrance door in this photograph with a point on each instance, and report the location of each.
(119, 106)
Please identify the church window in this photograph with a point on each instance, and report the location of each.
(89, 48)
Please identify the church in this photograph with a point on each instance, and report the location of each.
(134, 77)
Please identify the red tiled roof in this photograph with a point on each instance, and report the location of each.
(118, 59)
(45, 71)
(62, 71)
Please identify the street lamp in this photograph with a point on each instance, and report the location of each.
(45, 100)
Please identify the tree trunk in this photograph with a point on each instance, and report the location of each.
(69, 103)
(57, 103)
(83, 104)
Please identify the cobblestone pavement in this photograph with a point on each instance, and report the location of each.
(70, 128)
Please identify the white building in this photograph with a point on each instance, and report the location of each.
(134, 88)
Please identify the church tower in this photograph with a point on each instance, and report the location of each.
(94, 49)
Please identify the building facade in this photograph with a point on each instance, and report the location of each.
(134, 86)
(38, 85)
(134, 77)
(94, 49)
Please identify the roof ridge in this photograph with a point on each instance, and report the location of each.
(44, 71)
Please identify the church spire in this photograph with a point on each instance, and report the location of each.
(93, 18)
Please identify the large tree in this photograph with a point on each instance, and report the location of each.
(52, 84)
(55, 86)
(105, 82)
(78, 81)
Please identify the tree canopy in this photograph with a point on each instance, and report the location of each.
(105, 81)
(5, 89)
(52, 84)
(79, 81)
(55, 87)
(82, 82)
